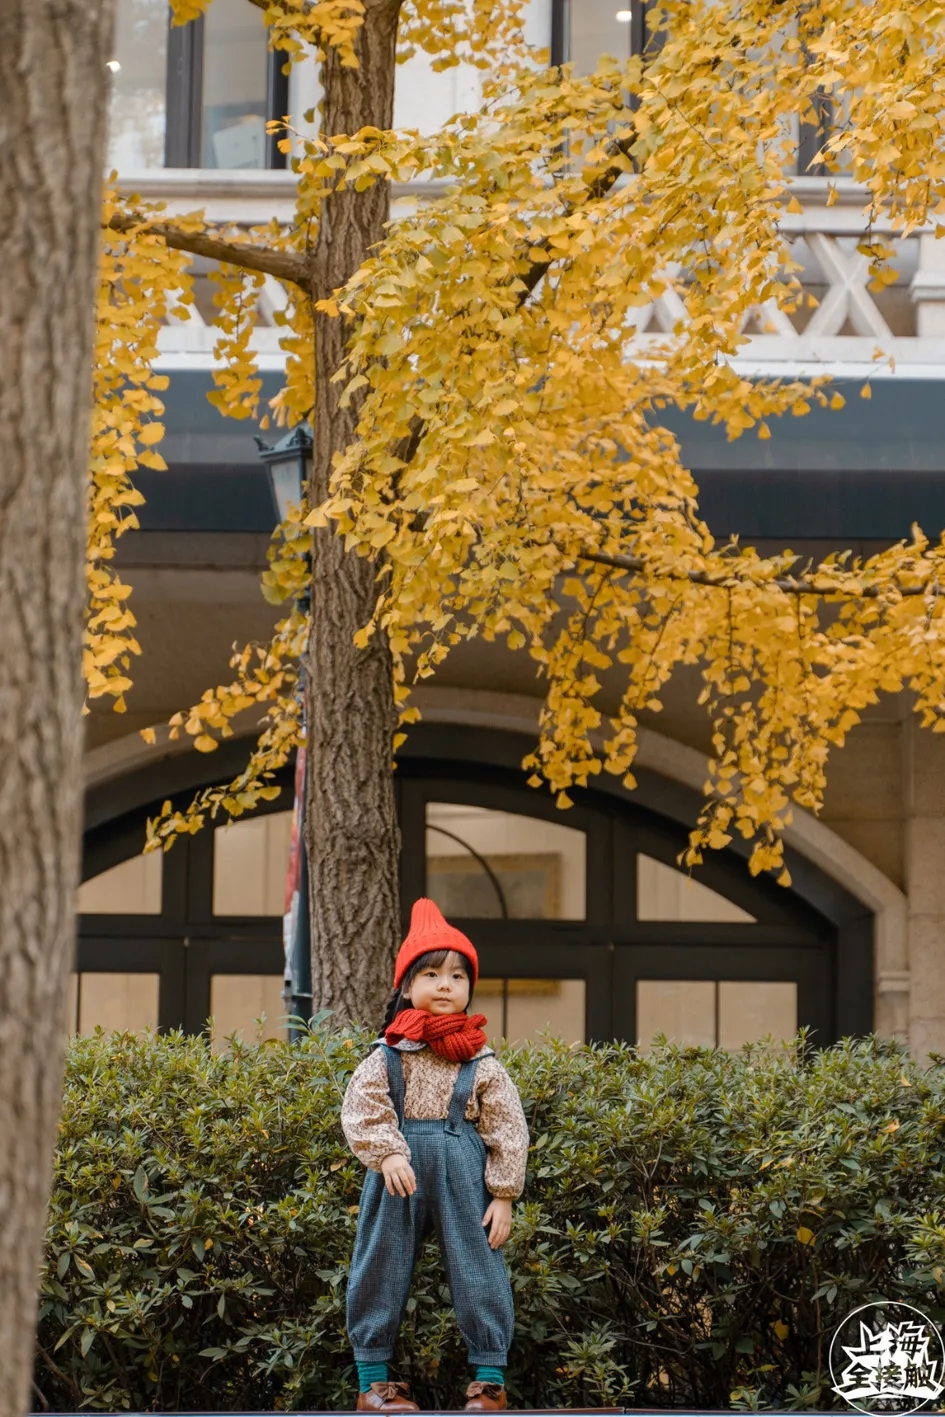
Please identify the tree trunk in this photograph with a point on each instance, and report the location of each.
(52, 147)
(352, 837)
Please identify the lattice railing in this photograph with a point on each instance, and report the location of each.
(840, 327)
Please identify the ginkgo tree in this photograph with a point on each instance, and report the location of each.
(489, 452)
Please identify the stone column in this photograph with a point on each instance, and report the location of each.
(928, 287)
(924, 806)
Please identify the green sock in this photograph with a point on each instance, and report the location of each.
(486, 1374)
(369, 1373)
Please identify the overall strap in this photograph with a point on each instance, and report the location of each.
(395, 1082)
(462, 1091)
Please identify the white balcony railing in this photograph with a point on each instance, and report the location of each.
(850, 331)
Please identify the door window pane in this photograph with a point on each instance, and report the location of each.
(666, 894)
(238, 1000)
(235, 84)
(120, 1003)
(708, 1012)
(138, 84)
(131, 888)
(251, 863)
(521, 1009)
(683, 1009)
(490, 865)
(594, 30)
(749, 1011)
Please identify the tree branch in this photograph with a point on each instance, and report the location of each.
(791, 585)
(601, 185)
(285, 265)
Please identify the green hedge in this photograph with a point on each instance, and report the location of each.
(694, 1226)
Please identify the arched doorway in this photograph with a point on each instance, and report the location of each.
(592, 901)
(583, 921)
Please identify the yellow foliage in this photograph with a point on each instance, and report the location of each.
(140, 281)
(238, 384)
(266, 680)
(492, 332)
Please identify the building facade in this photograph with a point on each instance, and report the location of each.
(584, 923)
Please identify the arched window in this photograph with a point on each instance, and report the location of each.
(170, 939)
(584, 923)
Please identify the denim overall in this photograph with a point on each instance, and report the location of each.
(448, 1159)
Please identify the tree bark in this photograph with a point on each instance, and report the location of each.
(352, 836)
(52, 147)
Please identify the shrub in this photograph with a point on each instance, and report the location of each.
(694, 1225)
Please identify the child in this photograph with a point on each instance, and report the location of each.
(438, 1122)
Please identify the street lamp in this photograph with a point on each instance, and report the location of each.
(289, 465)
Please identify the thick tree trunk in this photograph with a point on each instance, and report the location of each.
(351, 826)
(52, 133)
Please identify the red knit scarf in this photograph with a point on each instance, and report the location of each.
(454, 1036)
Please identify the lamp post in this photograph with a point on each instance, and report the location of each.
(289, 464)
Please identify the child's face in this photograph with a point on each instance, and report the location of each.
(441, 990)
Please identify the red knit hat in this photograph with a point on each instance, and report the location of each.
(429, 931)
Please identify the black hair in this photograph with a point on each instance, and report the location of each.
(431, 960)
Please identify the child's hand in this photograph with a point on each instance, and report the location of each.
(499, 1219)
(398, 1175)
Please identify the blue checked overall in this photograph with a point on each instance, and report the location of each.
(448, 1159)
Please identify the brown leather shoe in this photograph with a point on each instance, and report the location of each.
(485, 1397)
(386, 1397)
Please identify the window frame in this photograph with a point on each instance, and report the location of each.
(183, 131)
(561, 29)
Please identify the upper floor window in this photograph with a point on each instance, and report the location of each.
(585, 30)
(196, 95)
(199, 95)
(234, 89)
(138, 108)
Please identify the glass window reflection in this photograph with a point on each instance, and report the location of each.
(715, 1013)
(250, 864)
(138, 106)
(116, 1002)
(133, 887)
(596, 28)
(521, 1010)
(488, 865)
(235, 85)
(249, 1005)
(664, 893)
